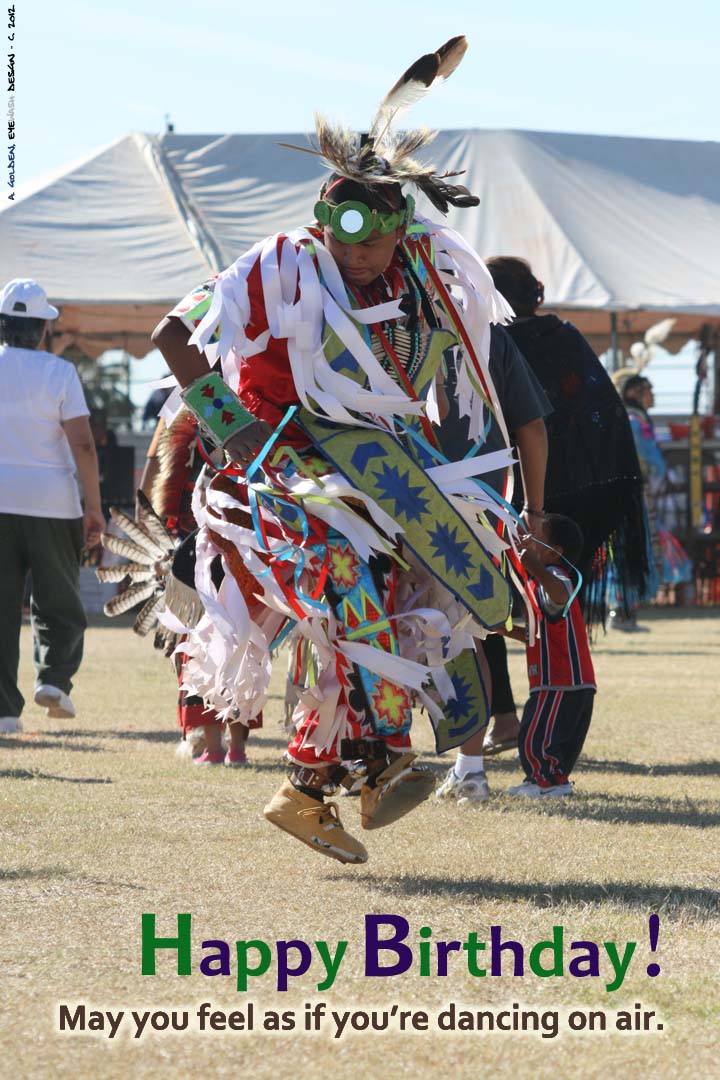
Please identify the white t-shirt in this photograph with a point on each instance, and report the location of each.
(37, 470)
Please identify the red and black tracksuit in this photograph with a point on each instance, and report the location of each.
(557, 715)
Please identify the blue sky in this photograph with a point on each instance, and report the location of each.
(87, 75)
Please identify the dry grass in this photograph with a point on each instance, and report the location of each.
(101, 822)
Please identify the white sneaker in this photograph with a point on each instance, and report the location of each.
(533, 791)
(56, 701)
(473, 788)
(527, 788)
(558, 791)
(10, 725)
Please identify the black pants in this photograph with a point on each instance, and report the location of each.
(50, 549)
(552, 733)
(495, 651)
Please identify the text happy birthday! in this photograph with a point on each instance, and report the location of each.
(388, 951)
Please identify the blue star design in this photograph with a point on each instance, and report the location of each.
(406, 498)
(423, 457)
(364, 453)
(446, 544)
(484, 588)
(463, 704)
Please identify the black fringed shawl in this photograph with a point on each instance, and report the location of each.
(593, 473)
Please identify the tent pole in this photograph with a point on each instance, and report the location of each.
(128, 381)
(613, 340)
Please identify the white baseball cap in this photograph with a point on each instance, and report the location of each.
(25, 299)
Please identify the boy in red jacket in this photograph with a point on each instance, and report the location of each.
(557, 715)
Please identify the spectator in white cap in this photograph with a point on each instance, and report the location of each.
(45, 439)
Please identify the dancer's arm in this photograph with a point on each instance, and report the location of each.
(187, 364)
(532, 447)
(171, 337)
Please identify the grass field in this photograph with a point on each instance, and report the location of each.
(101, 821)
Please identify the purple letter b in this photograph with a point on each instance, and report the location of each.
(374, 945)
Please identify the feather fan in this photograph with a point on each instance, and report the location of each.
(150, 552)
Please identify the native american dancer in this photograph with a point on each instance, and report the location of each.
(316, 360)
(669, 562)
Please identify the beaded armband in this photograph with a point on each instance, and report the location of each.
(218, 410)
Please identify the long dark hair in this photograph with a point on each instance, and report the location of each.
(634, 386)
(516, 281)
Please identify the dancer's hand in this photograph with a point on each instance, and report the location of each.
(247, 442)
(533, 522)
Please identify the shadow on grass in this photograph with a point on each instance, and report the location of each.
(634, 768)
(619, 810)
(278, 768)
(510, 763)
(25, 743)
(130, 736)
(35, 774)
(668, 899)
(44, 873)
(50, 873)
(169, 736)
(271, 743)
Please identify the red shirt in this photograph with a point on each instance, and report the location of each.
(560, 657)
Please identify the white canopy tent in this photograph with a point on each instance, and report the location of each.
(611, 225)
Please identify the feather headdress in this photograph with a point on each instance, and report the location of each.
(384, 155)
(642, 353)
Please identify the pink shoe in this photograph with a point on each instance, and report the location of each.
(235, 759)
(206, 758)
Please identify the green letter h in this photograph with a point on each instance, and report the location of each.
(150, 944)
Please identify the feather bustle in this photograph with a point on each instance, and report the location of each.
(153, 525)
(175, 450)
(134, 570)
(120, 546)
(147, 617)
(136, 532)
(128, 599)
